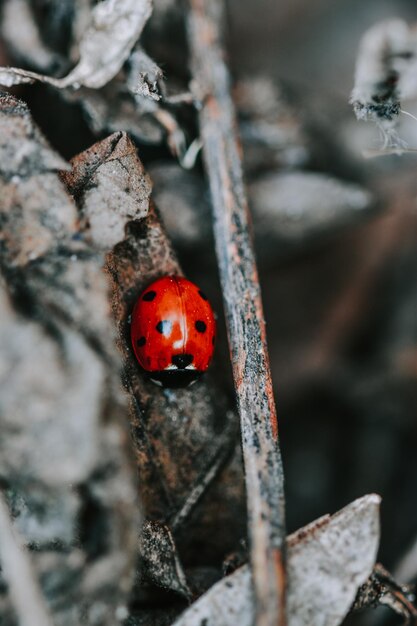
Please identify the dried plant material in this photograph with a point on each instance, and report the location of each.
(179, 435)
(395, 150)
(382, 589)
(112, 108)
(53, 408)
(159, 559)
(326, 562)
(20, 31)
(340, 551)
(115, 28)
(285, 126)
(115, 107)
(243, 309)
(64, 446)
(293, 207)
(31, 218)
(145, 77)
(105, 176)
(290, 209)
(271, 127)
(34, 156)
(385, 75)
(15, 562)
(182, 198)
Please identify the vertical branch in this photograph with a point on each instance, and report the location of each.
(24, 590)
(243, 307)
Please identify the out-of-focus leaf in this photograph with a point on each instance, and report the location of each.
(296, 207)
(22, 35)
(115, 28)
(66, 461)
(15, 562)
(326, 562)
(290, 210)
(385, 75)
(111, 108)
(145, 76)
(289, 128)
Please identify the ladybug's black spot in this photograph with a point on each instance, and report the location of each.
(149, 296)
(182, 360)
(200, 326)
(164, 327)
(203, 295)
(141, 342)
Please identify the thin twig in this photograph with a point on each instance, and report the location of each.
(243, 307)
(24, 590)
(382, 588)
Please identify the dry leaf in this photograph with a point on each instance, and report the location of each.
(20, 31)
(289, 209)
(112, 177)
(385, 75)
(293, 207)
(160, 561)
(145, 77)
(106, 44)
(326, 562)
(111, 108)
(66, 460)
(179, 435)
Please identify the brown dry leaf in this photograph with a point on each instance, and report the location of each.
(159, 559)
(326, 562)
(66, 461)
(179, 435)
(20, 32)
(105, 45)
(114, 178)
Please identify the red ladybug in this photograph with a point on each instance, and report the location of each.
(173, 330)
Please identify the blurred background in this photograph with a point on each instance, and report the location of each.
(342, 312)
(335, 233)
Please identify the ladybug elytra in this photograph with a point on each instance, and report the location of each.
(173, 330)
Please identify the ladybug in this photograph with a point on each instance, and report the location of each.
(173, 331)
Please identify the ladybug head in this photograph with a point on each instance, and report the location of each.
(175, 378)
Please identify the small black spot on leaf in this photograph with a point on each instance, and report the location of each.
(149, 296)
(200, 326)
